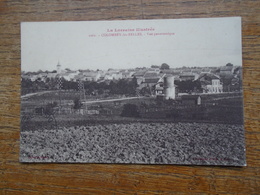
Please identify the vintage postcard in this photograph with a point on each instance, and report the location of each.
(134, 91)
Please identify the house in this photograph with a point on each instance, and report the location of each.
(149, 82)
(215, 86)
(26, 77)
(127, 74)
(150, 79)
(35, 77)
(151, 74)
(185, 76)
(154, 69)
(113, 75)
(91, 75)
(51, 75)
(66, 76)
(42, 76)
(79, 77)
(72, 73)
(139, 75)
(206, 69)
(235, 80)
(170, 71)
(210, 83)
(159, 88)
(236, 83)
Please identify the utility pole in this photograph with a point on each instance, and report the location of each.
(59, 87)
(81, 90)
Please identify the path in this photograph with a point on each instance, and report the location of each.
(112, 100)
(34, 94)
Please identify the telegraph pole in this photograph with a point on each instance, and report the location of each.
(81, 90)
(59, 87)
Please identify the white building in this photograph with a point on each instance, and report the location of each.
(165, 87)
(215, 87)
(113, 75)
(210, 83)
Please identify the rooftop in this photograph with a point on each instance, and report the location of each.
(151, 80)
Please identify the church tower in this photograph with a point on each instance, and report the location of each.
(58, 68)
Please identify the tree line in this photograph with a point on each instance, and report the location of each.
(120, 87)
(114, 87)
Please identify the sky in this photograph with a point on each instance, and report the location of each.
(90, 44)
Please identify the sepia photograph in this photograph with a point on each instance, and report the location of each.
(166, 91)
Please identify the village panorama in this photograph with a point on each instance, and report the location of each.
(155, 114)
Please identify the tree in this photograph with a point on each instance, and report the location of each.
(145, 91)
(113, 87)
(226, 80)
(188, 86)
(122, 86)
(49, 108)
(100, 91)
(26, 86)
(229, 64)
(155, 66)
(131, 86)
(134, 82)
(39, 71)
(165, 66)
(90, 86)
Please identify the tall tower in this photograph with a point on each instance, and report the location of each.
(58, 68)
(169, 88)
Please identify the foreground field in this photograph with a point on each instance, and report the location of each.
(159, 143)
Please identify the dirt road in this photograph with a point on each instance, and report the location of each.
(111, 100)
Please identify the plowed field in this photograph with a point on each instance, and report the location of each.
(156, 143)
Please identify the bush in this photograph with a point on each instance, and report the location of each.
(130, 110)
(77, 104)
(49, 108)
